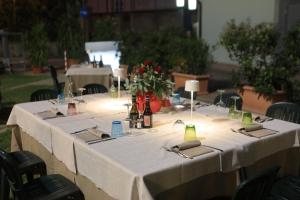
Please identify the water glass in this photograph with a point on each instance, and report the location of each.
(116, 129)
(247, 119)
(190, 133)
(61, 98)
(176, 99)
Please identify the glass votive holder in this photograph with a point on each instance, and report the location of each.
(247, 119)
(116, 129)
(176, 99)
(190, 133)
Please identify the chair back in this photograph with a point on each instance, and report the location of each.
(54, 79)
(257, 187)
(94, 88)
(185, 94)
(228, 101)
(9, 166)
(43, 94)
(285, 111)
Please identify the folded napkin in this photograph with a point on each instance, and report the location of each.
(256, 130)
(49, 114)
(91, 135)
(191, 149)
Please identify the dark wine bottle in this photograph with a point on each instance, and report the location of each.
(134, 114)
(101, 62)
(147, 115)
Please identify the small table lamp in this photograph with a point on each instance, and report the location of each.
(192, 86)
(119, 72)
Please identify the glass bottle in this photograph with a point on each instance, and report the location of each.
(101, 62)
(94, 63)
(147, 115)
(134, 114)
(113, 90)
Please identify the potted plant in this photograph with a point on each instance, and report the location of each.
(190, 62)
(172, 51)
(148, 80)
(36, 42)
(264, 69)
(70, 35)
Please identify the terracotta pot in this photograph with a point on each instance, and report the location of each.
(155, 102)
(258, 103)
(37, 70)
(180, 79)
(72, 61)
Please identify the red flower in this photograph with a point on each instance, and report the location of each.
(157, 69)
(148, 62)
(141, 70)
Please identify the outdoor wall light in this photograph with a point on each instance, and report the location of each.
(192, 4)
(180, 3)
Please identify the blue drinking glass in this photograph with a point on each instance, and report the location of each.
(176, 99)
(116, 129)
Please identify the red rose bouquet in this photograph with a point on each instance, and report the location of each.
(148, 78)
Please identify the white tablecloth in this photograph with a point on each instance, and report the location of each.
(88, 70)
(137, 165)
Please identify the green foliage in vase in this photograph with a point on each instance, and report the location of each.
(36, 43)
(148, 78)
(264, 59)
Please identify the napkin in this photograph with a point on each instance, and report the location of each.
(256, 130)
(49, 114)
(253, 127)
(90, 135)
(191, 149)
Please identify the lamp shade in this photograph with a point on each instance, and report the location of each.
(191, 85)
(119, 72)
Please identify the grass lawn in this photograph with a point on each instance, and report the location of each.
(12, 80)
(14, 89)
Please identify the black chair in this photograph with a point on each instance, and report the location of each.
(94, 88)
(49, 187)
(185, 94)
(256, 188)
(285, 111)
(26, 163)
(57, 85)
(228, 101)
(43, 94)
(287, 187)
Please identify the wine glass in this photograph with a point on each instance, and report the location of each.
(234, 112)
(81, 90)
(128, 111)
(220, 103)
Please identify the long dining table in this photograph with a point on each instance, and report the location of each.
(137, 165)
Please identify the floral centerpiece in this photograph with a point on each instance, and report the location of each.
(149, 80)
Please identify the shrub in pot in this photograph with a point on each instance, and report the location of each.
(265, 69)
(36, 42)
(70, 34)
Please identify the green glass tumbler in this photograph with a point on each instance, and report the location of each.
(190, 133)
(247, 119)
